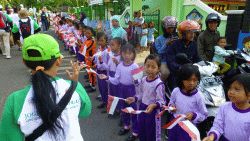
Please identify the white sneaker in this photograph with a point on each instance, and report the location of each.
(8, 57)
(4, 54)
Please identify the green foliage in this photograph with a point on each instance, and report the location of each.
(121, 6)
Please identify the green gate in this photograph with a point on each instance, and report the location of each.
(155, 17)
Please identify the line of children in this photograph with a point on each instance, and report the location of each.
(116, 66)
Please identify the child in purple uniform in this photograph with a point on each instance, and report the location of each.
(100, 58)
(187, 100)
(114, 58)
(151, 97)
(233, 119)
(124, 78)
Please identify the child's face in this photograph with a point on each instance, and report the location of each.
(151, 25)
(128, 56)
(139, 14)
(102, 41)
(222, 43)
(191, 83)
(70, 23)
(151, 68)
(144, 26)
(88, 33)
(247, 45)
(115, 47)
(115, 23)
(237, 94)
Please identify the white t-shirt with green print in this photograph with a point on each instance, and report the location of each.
(20, 117)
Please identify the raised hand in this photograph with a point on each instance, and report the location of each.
(75, 71)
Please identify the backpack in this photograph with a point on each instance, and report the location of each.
(25, 28)
(2, 21)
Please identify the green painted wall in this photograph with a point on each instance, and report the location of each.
(174, 8)
(135, 5)
(164, 6)
(187, 9)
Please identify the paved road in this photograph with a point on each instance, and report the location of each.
(14, 75)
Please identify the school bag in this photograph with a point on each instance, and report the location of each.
(55, 113)
(25, 28)
(2, 21)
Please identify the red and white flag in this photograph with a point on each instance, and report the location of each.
(192, 131)
(137, 73)
(92, 71)
(112, 103)
(165, 108)
(83, 51)
(83, 65)
(130, 110)
(175, 121)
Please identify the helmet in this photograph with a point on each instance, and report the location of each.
(188, 25)
(169, 21)
(213, 17)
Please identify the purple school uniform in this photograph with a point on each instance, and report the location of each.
(114, 89)
(80, 57)
(151, 92)
(111, 68)
(185, 103)
(232, 123)
(123, 77)
(102, 84)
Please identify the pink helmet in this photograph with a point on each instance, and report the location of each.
(169, 21)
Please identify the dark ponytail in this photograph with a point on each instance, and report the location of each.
(44, 92)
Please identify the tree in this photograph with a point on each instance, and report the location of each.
(121, 6)
(145, 7)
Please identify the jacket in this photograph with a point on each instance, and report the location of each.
(179, 47)
(206, 42)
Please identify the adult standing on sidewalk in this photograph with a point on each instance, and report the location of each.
(44, 19)
(138, 21)
(5, 24)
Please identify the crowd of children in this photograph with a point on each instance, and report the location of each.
(110, 63)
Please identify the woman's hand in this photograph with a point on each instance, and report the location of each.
(76, 69)
(150, 108)
(130, 100)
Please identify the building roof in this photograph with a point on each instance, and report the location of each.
(225, 1)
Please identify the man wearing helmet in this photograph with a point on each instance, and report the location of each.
(169, 25)
(185, 46)
(208, 39)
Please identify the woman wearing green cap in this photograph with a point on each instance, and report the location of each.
(48, 109)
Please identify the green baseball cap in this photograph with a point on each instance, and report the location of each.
(45, 44)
